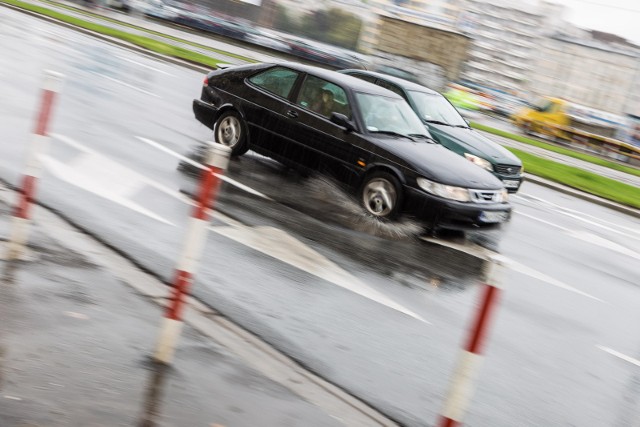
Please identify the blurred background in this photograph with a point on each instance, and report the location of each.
(489, 56)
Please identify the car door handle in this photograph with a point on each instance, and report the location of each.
(293, 114)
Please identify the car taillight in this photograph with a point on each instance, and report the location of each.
(206, 81)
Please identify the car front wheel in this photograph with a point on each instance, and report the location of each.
(230, 130)
(381, 195)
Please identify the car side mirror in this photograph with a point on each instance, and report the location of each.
(342, 120)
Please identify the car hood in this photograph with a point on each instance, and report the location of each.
(437, 163)
(473, 142)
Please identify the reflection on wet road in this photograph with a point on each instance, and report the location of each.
(299, 270)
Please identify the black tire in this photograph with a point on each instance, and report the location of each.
(381, 195)
(231, 130)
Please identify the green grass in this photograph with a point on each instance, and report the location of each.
(560, 150)
(145, 42)
(580, 179)
(155, 33)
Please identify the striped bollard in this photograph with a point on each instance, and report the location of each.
(463, 382)
(21, 216)
(217, 157)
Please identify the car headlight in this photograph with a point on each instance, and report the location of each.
(446, 191)
(504, 196)
(479, 161)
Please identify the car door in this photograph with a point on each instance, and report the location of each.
(264, 106)
(324, 145)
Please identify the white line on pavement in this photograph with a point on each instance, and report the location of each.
(280, 245)
(81, 147)
(521, 268)
(519, 213)
(145, 66)
(580, 216)
(590, 237)
(620, 355)
(124, 84)
(201, 166)
(103, 177)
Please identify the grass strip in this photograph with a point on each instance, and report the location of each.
(580, 179)
(146, 30)
(142, 41)
(560, 150)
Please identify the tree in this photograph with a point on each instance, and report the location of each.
(334, 26)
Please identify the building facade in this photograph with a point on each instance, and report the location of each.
(506, 36)
(590, 72)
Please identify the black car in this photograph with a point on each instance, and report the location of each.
(450, 129)
(361, 134)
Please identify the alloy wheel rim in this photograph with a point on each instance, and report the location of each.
(379, 197)
(229, 131)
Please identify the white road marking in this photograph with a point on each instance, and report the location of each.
(124, 84)
(201, 166)
(580, 216)
(590, 238)
(472, 249)
(541, 220)
(145, 66)
(81, 147)
(483, 253)
(620, 355)
(76, 315)
(282, 246)
(604, 227)
(102, 177)
(521, 268)
(171, 152)
(605, 243)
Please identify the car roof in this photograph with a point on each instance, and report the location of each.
(356, 84)
(405, 84)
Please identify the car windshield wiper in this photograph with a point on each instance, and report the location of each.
(392, 133)
(438, 122)
(421, 136)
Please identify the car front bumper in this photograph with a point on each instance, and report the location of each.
(510, 182)
(443, 213)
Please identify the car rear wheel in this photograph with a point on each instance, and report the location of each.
(230, 130)
(381, 195)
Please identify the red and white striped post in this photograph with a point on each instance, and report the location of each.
(463, 382)
(217, 159)
(21, 215)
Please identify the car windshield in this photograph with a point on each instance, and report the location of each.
(435, 107)
(383, 114)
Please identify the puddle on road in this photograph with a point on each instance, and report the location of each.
(334, 219)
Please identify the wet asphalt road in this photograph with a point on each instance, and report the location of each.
(294, 272)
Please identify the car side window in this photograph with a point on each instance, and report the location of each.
(276, 80)
(391, 87)
(370, 79)
(323, 97)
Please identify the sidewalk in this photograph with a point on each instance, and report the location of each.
(75, 341)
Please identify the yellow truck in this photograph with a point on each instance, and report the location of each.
(577, 125)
